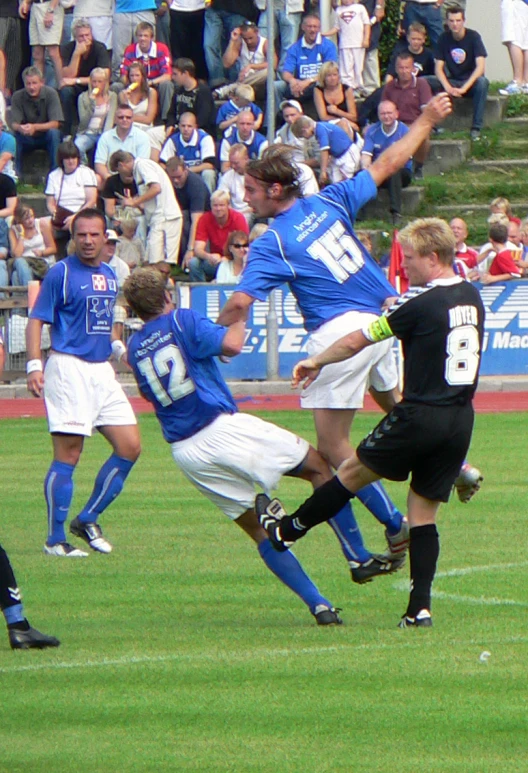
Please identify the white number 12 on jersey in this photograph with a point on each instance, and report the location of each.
(338, 251)
(166, 361)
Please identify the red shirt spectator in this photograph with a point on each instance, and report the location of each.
(467, 256)
(156, 60)
(209, 230)
(503, 263)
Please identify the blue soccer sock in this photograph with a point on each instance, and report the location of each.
(289, 571)
(347, 532)
(10, 595)
(58, 491)
(376, 499)
(108, 485)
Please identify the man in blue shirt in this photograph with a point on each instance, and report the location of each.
(340, 156)
(195, 147)
(244, 132)
(338, 286)
(76, 299)
(223, 453)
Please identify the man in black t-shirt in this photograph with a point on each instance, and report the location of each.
(194, 199)
(460, 65)
(114, 191)
(440, 322)
(80, 57)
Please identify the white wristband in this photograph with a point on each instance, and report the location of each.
(118, 349)
(33, 365)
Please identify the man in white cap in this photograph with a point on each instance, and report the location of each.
(305, 150)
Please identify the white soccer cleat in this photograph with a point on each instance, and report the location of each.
(64, 550)
(468, 482)
(398, 544)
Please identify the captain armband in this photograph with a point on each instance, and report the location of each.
(379, 330)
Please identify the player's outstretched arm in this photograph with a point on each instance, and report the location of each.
(342, 349)
(305, 371)
(234, 339)
(236, 308)
(392, 159)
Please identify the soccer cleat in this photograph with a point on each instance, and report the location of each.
(30, 639)
(327, 615)
(468, 482)
(92, 534)
(512, 88)
(422, 620)
(376, 565)
(398, 544)
(269, 513)
(65, 550)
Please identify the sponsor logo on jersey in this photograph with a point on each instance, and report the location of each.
(99, 283)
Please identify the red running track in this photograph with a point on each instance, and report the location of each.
(485, 402)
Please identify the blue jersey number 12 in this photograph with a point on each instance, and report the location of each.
(166, 361)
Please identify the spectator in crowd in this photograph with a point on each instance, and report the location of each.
(142, 98)
(371, 69)
(80, 57)
(7, 152)
(114, 192)
(247, 52)
(340, 155)
(234, 261)
(426, 12)
(124, 136)
(514, 18)
(243, 132)
(97, 108)
(305, 151)
(501, 205)
(414, 44)
(110, 256)
(378, 138)
(99, 13)
(463, 253)
(524, 239)
(130, 245)
(127, 15)
(11, 36)
(32, 246)
(233, 180)
(221, 18)
(8, 203)
(503, 266)
(410, 95)
(211, 236)
(195, 147)
(156, 197)
(193, 199)
(45, 32)
(186, 27)
(487, 252)
(460, 65)
(334, 101)
(352, 24)
(163, 34)
(307, 182)
(36, 115)
(157, 62)
(242, 98)
(287, 20)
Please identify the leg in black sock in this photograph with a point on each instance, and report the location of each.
(324, 503)
(423, 555)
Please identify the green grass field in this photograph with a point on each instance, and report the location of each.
(181, 652)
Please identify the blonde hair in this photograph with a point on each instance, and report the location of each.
(243, 91)
(257, 230)
(498, 218)
(326, 68)
(220, 195)
(100, 72)
(502, 204)
(427, 235)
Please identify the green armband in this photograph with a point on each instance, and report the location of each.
(379, 330)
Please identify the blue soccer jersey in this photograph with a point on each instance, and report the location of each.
(332, 138)
(313, 248)
(78, 300)
(172, 360)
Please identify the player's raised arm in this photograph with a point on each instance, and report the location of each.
(235, 309)
(343, 349)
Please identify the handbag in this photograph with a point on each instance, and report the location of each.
(61, 213)
(39, 267)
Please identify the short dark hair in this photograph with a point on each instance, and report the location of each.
(119, 157)
(273, 168)
(67, 149)
(144, 291)
(89, 213)
(405, 55)
(175, 162)
(498, 233)
(452, 9)
(184, 65)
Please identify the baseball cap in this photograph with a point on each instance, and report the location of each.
(111, 236)
(291, 103)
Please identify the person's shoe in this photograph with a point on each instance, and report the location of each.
(396, 219)
(327, 615)
(269, 513)
(524, 88)
(92, 534)
(468, 482)
(418, 173)
(422, 620)
(30, 639)
(376, 565)
(512, 88)
(65, 550)
(398, 544)
(475, 135)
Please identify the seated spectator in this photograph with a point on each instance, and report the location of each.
(110, 256)
(486, 252)
(32, 246)
(124, 136)
(257, 230)
(8, 203)
(190, 96)
(340, 155)
(193, 198)
(302, 63)
(195, 147)
(128, 14)
(69, 188)
(80, 58)
(142, 98)
(100, 17)
(463, 253)
(242, 98)
(233, 180)
(221, 17)
(334, 102)
(378, 137)
(130, 246)
(157, 61)
(235, 257)
(423, 57)
(7, 152)
(247, 50)
(45, 33)
(304, 151)
(36, 115)
(212, 232)
(97, 107)
(243, 132)
(460, 65)
(307, 182)
(352, 25)
(503, 267)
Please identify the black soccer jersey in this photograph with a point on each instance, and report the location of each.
(441, 327)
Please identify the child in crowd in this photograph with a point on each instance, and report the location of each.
(243, 98)
(130, 247)
(353, 27)
(503, 266)
(340, 156)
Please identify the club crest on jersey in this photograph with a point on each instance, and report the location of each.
(99, 283)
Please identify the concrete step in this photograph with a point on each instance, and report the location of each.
(35, 168)
(462, 116)
(379, 208)
(501, 164)
(446, 155)
(519, 121)
(477, 209)
(37, 201)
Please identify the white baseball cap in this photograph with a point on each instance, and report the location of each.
(111, 236)
(291, 103)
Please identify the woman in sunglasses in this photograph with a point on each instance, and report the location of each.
(235, 258)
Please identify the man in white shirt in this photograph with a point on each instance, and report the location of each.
(233, 180)
(124, 136)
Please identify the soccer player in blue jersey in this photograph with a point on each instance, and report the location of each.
(339, 288)
(80, 389)
(222, 452)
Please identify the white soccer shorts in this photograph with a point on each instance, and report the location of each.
(226, 459)
(81, 395)
(342, 385)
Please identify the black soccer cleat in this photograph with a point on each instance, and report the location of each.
(422, 620)
(327, 615)
(377, 566)
(30, 639)
(269, 513)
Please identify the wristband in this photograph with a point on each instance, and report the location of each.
(118, 349)
(50, 10)
(33, 365)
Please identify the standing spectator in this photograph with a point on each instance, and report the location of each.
(80, 57)
(156, 59)
(460, 65)
(340, 155)
(514, 18)
(195, 147)
(124, 136)
(163, 34)
(157, 199)
(36, 115)
(428, 13)
(187, 27)
(235, 258)
(99, 13)
(371, 69)
(211, 236)
(247, 51)
(127, 15)
(82, 393)
(353, 28)
(45, 32)
(193, 198)
(233, 180)
(11, 42)
(32, 246)
(287, 17)
(142, 98)
(97, 107)
(221, 18)
(243, 132)
(7, 152)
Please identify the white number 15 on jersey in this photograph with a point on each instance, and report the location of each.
(338, 251)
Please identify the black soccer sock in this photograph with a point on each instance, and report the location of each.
(424, 549)
(325, 502)
(8, 584)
